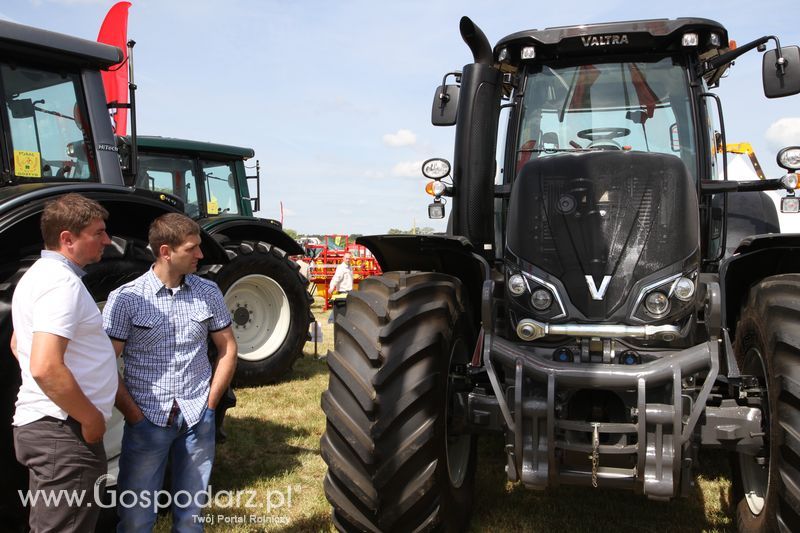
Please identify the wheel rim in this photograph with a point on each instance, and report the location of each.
(261, 316)
(457, 447)
(755, 470)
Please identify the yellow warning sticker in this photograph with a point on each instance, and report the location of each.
(27, 164)
(212, 207)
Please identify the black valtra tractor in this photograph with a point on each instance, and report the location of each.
(56, 138)
(590, 302)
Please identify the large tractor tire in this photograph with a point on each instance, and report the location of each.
(402, 344)
(271, 309)
(766, 488)
(13, 515)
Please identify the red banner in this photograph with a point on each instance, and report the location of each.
(114, 31)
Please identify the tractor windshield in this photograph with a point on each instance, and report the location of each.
(643, 106)
(49, 136)
(173, 175)
(221, 186)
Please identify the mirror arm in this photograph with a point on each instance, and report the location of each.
(443, 96)
(718, 186)
(714, 63)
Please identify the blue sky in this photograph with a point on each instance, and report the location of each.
(335, 96)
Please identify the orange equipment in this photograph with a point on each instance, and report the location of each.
(324, 258)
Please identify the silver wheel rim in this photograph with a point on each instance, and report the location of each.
(261, 316)
(457, 447)
(755, 476)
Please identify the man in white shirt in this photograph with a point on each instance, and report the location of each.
(69, 371)
(342, 280)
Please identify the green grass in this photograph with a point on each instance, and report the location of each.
(273, 444)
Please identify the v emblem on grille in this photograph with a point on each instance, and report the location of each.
(598, 293)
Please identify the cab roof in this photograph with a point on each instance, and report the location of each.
(195, 148)
(639, 36)
(18, 41)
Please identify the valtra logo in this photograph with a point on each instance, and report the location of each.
(604, 40)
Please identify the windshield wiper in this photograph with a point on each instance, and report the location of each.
(554, 150)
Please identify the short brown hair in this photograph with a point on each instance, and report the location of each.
(171, 229)
(71, 212)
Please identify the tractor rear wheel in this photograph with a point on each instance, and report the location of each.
(766, 487)
(402, 345)
(271, 309)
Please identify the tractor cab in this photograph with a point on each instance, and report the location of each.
(637, 89)
(208, 178)
(55, 121)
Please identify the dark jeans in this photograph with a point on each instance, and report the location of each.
(62, 466)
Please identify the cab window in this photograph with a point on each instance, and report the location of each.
(50, 134)
(173, 175)
(641, 106)
(221, 186)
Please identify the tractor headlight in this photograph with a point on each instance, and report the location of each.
(516, 284)
(672, 296)
(657, 303)
(690, 39)
(684, 289)
(541, 299)
(436, 168)
(789, 158)
(528, 52)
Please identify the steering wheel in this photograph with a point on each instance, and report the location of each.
(64, 171)
(603, 134)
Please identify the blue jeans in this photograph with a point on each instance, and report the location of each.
(143, 463)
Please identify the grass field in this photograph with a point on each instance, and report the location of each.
(272, 460)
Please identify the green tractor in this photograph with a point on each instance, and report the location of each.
(606, 302)
(264, 290)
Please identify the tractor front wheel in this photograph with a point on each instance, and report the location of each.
(395, 462)
(766, 486)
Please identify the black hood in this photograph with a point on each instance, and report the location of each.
(626, 215)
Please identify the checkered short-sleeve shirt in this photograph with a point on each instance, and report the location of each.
(166, 342)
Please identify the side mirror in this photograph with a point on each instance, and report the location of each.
(445, 105)
(781, 82)
(21, 108)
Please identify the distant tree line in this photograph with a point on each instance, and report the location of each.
(353, 236)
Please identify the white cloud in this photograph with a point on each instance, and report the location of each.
(401, 138)
(784, 132)
(407, 169)
(374, 174)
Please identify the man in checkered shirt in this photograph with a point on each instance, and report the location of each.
(160, 323)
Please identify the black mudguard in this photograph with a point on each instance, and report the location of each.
(252, 229)
(431, 253)
(756, 258)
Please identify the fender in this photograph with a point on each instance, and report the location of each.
(250, 228)
(131, 212)
(756, 258)
(431, 253)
